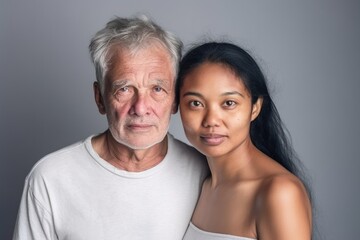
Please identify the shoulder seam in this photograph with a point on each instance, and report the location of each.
(37, 201)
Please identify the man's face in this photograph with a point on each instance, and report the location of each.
(138, 96)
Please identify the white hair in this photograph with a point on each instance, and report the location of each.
(132, 34)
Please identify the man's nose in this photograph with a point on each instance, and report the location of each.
(140, 104)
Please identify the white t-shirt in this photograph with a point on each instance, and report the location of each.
(74, 194)
(195, 233)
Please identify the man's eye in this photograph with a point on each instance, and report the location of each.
(158, 89)
(124, 89)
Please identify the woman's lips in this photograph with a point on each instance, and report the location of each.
(212, 139)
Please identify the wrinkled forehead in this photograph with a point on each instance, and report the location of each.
(152, 62)
(124, 50)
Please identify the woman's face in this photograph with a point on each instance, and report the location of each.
(216, 110)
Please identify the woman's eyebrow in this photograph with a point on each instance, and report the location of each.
(232, 93)
(223, 94)
(192, 94)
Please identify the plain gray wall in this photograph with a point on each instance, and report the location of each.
(309, 51)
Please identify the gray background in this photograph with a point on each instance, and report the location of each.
(309, 51)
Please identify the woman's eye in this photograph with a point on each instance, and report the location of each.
(195, 104)
(229, 103)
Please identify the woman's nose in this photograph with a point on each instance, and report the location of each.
(212, 118)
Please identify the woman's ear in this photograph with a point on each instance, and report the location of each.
(256, 108)
(98, 98)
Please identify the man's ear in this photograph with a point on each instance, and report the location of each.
(256, 108)
(99, 98)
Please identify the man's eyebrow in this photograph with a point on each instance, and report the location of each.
(157, 81)
(162, 82)
(119, 83)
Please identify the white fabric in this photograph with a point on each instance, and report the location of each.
(194, 233)
(74, 194)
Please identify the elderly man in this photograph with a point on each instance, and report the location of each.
(134, 181)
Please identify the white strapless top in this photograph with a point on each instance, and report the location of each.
(194, 233)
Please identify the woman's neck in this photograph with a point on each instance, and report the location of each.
(234, 165)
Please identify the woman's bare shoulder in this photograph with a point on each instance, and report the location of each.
(283, 209)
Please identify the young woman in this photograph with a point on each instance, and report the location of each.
(256, 190)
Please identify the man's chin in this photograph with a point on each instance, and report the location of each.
(139, 143)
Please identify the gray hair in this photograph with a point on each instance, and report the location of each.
(131, 33)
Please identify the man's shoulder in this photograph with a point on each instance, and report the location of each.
(59, 159)
(184, 151)
(180, 146)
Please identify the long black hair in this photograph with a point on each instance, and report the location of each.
(267, 131)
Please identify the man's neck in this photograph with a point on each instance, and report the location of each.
(125, 158)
